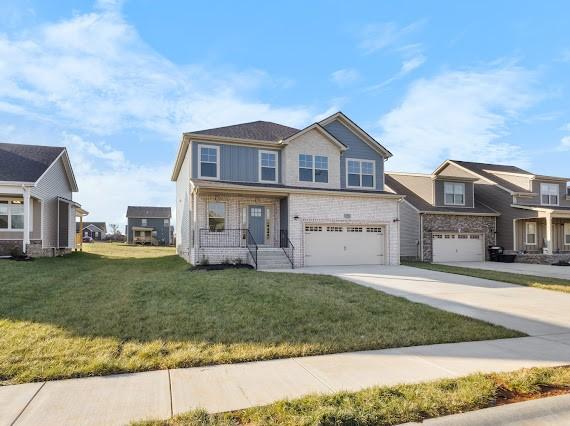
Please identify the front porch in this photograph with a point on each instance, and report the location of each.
(144, 235)
(242, 228)
(545, 239)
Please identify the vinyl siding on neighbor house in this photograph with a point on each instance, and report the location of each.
(183, 210)
(52, 185)
(238, 163)
(357, 149)
(162, 230)
(409, 231)
(36, 227)
(453, 171)
(535, 200)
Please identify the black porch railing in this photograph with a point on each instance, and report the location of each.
(287, 246)
(230, 238)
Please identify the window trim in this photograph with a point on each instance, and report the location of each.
(276, 154)
(543, 184)
(566, 234)
(217, 148)
(360, 160)
(535, 233)
(30, 210)
(445, 184)
(217, 217)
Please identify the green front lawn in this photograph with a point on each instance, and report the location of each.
(506, 277)
(117, 308)
(391, 405)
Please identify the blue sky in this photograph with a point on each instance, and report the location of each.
(118, 82)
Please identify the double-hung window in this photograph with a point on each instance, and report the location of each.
(530, 233)
(11, 214)
(305, 168)
(209, 167)
(549, 193)
(567, 234)
(313, 168)
(360, 173)
(267, 166)
(144, 222)
(216, 216)
(454, 193)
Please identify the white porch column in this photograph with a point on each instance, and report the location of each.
(26, 240)
(549, 233)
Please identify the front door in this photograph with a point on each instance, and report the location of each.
(256, 223)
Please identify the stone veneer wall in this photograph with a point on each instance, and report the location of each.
(35, 249)
(542, 259)
(435, 223)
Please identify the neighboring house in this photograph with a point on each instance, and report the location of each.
(37, 213)
(534, 210)
(148, 225)
(95, 230)
(275, 196)
(441, 219)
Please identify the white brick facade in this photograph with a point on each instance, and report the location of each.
(313, 143)
(327, 209)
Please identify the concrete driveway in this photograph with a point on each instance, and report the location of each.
(533, 311)
(562, 272)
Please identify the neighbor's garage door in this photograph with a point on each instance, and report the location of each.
(458, 247)
(344, 245)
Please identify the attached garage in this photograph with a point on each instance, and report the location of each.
(344, 245)
(458, 247)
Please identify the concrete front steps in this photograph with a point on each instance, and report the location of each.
(272, 258)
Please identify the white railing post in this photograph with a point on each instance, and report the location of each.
(26, 239)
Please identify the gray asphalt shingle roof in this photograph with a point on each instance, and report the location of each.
(25, 163)
(256, 130)
(101, 225)
(483, 169)
(149, 212)
(422, 205)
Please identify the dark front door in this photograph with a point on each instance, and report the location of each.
(257, 223)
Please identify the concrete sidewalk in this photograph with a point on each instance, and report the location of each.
(561, 272)
(539, 412)
(120, 399)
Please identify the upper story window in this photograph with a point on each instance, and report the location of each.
(360, 173)
(216, 216)
(454, 194)
(549, 193)
(313, 168)
(267, 166)
(144, 222)
(166, 222)
(567, 234)
(11, 214)
(209, 167)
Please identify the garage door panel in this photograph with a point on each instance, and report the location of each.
(343, 245)
(455, 247)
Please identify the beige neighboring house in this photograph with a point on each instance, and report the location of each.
(37, 212)
(534, 220)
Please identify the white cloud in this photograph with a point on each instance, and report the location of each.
(344, 77)
(564, 144)
(458, 114)
(408, 65)
(94, 72)
(90, 78)
(375, 37)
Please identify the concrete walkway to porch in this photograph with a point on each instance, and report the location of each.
(561, 272)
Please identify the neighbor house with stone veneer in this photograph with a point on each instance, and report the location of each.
(441, 218)
(534, 209)
(274, 196)
(37, 212)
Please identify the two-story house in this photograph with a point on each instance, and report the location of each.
(148, 225)
(534, 219)
(275, 196)
(441, 219)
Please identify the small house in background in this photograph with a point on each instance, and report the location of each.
(95, 230)
(148, 225)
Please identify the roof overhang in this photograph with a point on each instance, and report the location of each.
(547, 210)
(321, 130)
(80, 212)
(454, 178)
(551, 178)
(204, 185)
(448, 213)
(358, 131)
